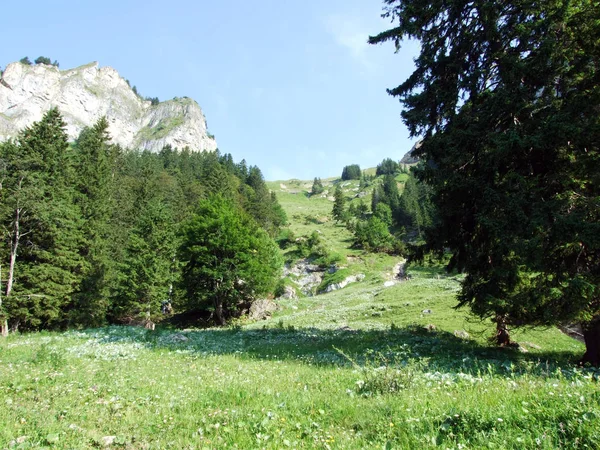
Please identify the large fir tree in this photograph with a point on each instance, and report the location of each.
(40, 205)
(505, 96)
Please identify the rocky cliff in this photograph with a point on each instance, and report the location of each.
(85, 94)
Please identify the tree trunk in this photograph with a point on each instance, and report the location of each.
(219, 312)
(14, 245)
(3, 320)
(15, 237)
(591, 335)
(502, 333)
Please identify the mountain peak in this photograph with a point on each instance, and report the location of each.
(86, 93)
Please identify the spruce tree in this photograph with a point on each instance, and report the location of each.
(147, 269)
(505, 96)
(96, 161)
(317, 187)
(339, 204)
(41, 205)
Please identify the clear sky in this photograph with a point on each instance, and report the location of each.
(290, 86)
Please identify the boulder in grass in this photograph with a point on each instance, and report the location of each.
(461, 334)
(262, 309)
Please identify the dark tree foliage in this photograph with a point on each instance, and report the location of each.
(351, 172)
(261, 203)
(228, 259)
(387, 167)
(387, 193)
(374, 235)
(416, 211)
(25, 61)
(43, 60)
(44, 222)
(505, 96)
(95, 165)
(91, 231)
(339, 212)
(317, 187)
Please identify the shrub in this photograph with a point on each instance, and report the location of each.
(286, 238)
(43, 60)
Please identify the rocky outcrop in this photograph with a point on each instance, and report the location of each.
(345, 282)
(410, 157)
(85, 94)
(305, 275)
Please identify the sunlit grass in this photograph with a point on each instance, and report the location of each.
(352, 369)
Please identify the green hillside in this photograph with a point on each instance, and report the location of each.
(382, 363)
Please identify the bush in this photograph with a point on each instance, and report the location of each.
(374, 235)
(329, 259)
(333, 278)
(286, 238)
(43, 60)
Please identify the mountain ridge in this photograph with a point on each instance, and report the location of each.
(88, 92)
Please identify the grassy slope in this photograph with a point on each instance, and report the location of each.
(351, 369)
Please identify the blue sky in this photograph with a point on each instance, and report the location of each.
(290, 86)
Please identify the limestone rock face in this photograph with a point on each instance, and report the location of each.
(85, 94)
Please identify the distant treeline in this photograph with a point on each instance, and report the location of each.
(93, 233)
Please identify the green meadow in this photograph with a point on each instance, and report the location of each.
(374, 365)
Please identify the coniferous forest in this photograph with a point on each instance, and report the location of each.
(96, 234)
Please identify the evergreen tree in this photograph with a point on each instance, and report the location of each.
(317, 187)
(41, 206)
(43, 60)
(147, 270)
(262, 205)
(384, 213)
(387, 167)
(95, 167)
(416, 209)
(339, 204)
(505, 97)
(373, 235)
(25, 61)
(351, 172)
(390, 194)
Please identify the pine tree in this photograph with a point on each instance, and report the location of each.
(505, 97)
(387, 167)
(147, 270)
(95, 167)
(317, 187)
(351, 172)
(339, 204)
(41, 206)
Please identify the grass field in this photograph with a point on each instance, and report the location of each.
(367, 366)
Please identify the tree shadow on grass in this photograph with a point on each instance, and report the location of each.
(435, 351)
